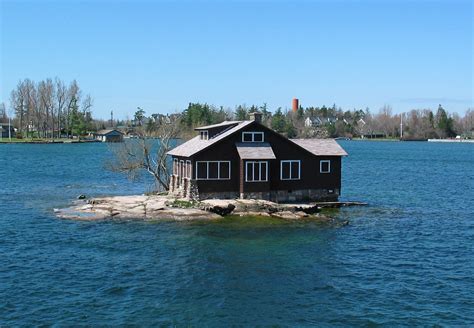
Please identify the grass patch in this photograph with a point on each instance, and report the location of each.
(183, 203)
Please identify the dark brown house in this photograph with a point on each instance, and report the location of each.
(245, 159)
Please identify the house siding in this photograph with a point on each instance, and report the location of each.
(311, 185)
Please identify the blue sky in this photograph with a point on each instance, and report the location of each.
(161, 55)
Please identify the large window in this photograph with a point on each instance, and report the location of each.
(252, 136)
(256, 171)
(213, 170)
(290, 170)
(325, 166)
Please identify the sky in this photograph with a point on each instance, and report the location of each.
(161, 55)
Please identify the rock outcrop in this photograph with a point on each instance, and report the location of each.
(163, 207)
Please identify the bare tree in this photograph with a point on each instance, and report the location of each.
(73, 96)
(3, 113)
(146, 155)
(61, 100)
(18, 102)
(46, 100)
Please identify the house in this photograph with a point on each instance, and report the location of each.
(245, 159)
(110, 135)
(312, 122)
(4, 127)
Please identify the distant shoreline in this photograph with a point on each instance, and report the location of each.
(72, 141)
(29, 141)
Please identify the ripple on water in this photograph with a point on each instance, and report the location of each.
(404, 260)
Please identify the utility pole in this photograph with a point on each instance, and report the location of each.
(112, 118)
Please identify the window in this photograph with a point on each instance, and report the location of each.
(181, 169)
(325, 166)
(175, 166)
(256, 171)
(290, 170)
(252, 136)
(204, 135)
(188, 169)
(213, 170)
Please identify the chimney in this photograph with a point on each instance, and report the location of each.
(256, 116)
(295, 104)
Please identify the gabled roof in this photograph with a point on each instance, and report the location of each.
(107, 131)
(321, 147)
(225, 123)
(196, 144)
(255, 150)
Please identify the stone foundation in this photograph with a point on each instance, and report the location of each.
(183, 188)
(219, 195)
(187, 188)
(279, 196)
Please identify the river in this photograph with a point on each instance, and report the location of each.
(406, 259)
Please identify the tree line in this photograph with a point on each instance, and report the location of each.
(335, 122)
(50, 109)
(53, 109)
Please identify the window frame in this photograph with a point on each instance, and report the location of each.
(218, 170)
(253, 171)
(175, 166)
(181, 169)
(253, 133)
(290, 161)
(328, 161)
(188, 170)
(204, 135)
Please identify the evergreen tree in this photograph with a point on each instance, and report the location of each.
(241, 113)
(278, 121)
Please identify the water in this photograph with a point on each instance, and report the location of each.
(407, 259)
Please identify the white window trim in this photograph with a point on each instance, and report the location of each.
(253, 170)
(175, 166)
(189, 170)
(207, 170)
(321, 166)
(204, 135)
(181, 169)
(253, 136)
(290, 161)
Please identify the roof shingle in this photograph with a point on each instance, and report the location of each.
(196, 144)
(255, 150)
(321, 147)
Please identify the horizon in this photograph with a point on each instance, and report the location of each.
(161, 56)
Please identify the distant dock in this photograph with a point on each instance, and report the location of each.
(452, 140)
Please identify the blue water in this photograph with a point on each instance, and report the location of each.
(407, 259)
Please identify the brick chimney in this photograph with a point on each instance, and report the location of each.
(295, 104)
(256, 116)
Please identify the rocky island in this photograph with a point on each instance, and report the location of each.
(167, 207)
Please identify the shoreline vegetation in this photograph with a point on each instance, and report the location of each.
(52, 109)
(79, 141)
(166, 207)
(45, 141)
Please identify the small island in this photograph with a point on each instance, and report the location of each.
(167, 207)
(232, 168)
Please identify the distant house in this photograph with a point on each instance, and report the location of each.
(312, 122)
(331, 120)
(374, 135)
(110, 135)
(4, 127)
(245, 159)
